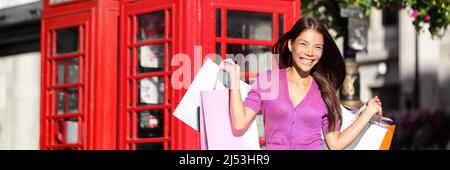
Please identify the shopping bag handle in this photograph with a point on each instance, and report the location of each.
(383, 120)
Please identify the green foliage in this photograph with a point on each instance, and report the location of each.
(433, 13)
(327, 11)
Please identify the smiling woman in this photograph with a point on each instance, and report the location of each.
(309, 44)
(311, 71)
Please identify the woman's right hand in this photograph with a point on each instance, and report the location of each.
(229, 66)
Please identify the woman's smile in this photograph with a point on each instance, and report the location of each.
(307, 61)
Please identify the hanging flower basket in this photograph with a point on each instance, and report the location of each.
(431, 14)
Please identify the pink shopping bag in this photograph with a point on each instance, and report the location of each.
(216, 132)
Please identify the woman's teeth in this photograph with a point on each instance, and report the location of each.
(306, 61)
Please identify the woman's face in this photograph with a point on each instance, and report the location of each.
(306, 49)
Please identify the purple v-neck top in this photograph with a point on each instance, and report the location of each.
(288, 126)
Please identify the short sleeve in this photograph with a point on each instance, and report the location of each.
(325, 124)
(253, 99)
(263, 89)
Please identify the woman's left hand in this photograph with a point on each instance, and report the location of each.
(374, 106)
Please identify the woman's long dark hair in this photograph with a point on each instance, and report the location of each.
(329, 72)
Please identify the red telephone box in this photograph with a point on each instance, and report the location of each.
(101, 93)
(79, 74)
(146, 100)
(153, 31)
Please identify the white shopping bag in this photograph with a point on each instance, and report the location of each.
(370, 138)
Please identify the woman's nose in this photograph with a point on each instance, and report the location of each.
(309, 52)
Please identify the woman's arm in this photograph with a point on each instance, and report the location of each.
(241, 115)
(340, 140)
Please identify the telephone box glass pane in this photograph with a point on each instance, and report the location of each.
(218, 53)
(61, 72)
(67, 40)
(151, 90)
(66, 131)
(67, 101)
(60, 100)
(150, 26)
(169, 12)
(280, 25)
(218, 22)
(67, 71)
(150, 146)
(151, 123)
(251, 58)
(249, 25)
(151, 58)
